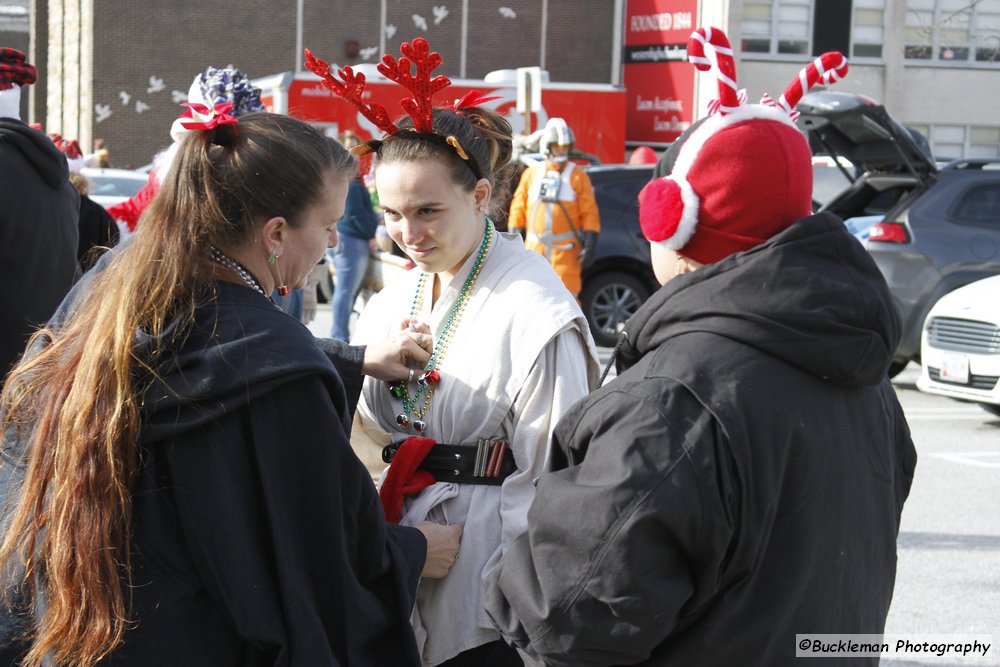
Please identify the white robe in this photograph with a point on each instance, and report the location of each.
(519, 357)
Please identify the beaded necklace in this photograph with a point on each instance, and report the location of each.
(430, 378)
(237, 268)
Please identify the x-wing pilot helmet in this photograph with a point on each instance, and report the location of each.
(557, 140)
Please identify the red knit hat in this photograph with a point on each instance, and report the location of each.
(643, 155)
(744, 174)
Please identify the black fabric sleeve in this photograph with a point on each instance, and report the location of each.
(97, 230)
(411, 544)
(348, 360)
(286, 531)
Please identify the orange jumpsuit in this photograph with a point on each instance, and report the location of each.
(555, 223)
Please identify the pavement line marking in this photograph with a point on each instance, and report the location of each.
(941, 418)
(964, 408)
(971, 458)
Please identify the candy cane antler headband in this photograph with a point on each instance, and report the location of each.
(829, 68)
(730, 98)
(671, 208)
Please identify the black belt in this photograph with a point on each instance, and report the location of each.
(487, 462)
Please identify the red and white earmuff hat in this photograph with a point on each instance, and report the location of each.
(744, 174)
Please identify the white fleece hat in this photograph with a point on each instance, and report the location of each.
(14, 74)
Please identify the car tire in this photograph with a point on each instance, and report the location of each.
(609, 299)
(324, 288)
(991, 408)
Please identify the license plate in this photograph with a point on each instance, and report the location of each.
(955, 368)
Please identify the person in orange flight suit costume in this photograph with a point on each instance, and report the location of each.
(554, 208)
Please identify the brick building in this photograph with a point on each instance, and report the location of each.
(110, 68)
(116, 69)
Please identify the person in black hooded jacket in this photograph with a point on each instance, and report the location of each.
(183, 488)
(741, 481)
(39, 209)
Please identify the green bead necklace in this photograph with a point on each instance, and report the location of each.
(430, 378)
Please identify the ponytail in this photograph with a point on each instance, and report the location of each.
(75, 398)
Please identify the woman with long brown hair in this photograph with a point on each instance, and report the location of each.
(189, 493)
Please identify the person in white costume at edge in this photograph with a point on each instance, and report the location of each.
(512, 350)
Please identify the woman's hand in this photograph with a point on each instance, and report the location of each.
(442, 548)
(395, 357)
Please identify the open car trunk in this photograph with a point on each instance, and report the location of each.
(894, 162)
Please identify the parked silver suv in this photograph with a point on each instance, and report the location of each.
(934, 230)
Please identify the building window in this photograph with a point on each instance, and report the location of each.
(984, 142)
(986, 32)
(948, 141)
(868, 29)
(951, 142)
(958, 31)
(778, 26)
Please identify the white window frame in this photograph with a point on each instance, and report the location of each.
(774, 32)
(878, 5)
(942, 15)
(933, 130)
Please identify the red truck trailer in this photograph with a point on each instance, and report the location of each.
(596, 112)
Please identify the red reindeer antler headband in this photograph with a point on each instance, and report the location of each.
(415, 55)
(422, 86)
(351, 89)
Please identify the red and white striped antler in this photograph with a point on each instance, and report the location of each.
(828, 68)
(419, 107)
(729, 94)
(351, 89)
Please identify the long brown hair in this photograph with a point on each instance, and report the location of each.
(74, 400)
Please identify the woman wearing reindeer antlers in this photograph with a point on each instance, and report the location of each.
(469, 430)
(741, 481)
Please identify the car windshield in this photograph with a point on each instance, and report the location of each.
(828, 181)
(114, 186)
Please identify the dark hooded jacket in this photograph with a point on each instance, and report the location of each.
(739, 483)
(39, 209)
(258, 536)
(97, 232)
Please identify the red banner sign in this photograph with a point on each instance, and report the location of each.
(658, 79)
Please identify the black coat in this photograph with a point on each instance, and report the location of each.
(98, 231)
(258, 536)
(39, 209)
(740, 482)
